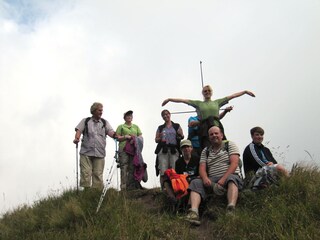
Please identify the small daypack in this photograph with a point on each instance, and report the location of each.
(179, 183)
(263, 178)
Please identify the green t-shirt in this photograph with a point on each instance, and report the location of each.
(124, 129)
(206, 109)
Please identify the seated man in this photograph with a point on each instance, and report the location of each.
(219, 172)
(256, 155)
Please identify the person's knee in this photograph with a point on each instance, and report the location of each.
(232, 186)
(282, 170)
(195, 193)
(97, 171)
(195, 199)
(195, 196)
(231, 183)
(280, 167)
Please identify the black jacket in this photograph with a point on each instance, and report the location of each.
(252, 157)
(192, 168)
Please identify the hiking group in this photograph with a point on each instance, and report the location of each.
(204, 164)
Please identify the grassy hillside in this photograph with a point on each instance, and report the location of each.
(288, 211)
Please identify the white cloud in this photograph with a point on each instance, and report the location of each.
(133, 55)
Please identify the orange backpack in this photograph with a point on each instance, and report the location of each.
(179, 182)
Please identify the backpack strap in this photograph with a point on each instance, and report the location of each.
(85, 131)
(176, 127)
(161, 127)
(226, 145)
(226, 148)
(103, 122)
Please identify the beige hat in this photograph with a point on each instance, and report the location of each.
(185, 142)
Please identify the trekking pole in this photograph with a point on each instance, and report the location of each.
(77, 166)
(183, 112)
(104, 191)
(189, 111)
(108, 181)
(116, 157)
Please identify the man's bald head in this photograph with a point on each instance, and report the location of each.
(215, 135)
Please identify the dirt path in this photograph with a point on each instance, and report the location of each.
(151, 196)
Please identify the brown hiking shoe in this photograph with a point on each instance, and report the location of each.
(193, 218)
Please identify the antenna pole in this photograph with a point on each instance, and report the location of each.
(201, 73)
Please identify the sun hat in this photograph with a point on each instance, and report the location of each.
(185, 142)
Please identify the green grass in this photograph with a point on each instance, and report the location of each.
(288, 211)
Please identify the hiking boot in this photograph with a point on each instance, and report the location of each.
(231, 210)
(193, 218)
(218, 189)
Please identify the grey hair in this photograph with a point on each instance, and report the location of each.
(95, 106)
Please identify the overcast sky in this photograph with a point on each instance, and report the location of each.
(60, 56)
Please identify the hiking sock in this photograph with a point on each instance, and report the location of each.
(231, 205)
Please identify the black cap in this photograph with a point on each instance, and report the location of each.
(127, 113)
